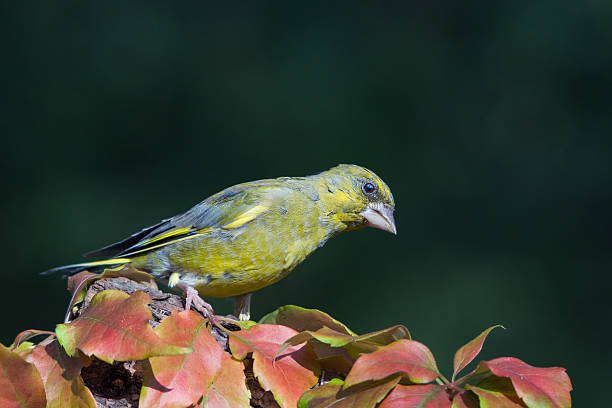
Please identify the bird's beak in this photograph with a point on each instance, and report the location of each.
(380, 216)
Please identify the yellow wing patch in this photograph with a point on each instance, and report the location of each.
(179, 231)
(247, 216)
(114, 261)
(148, 249)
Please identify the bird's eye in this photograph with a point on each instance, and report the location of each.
(369, 188)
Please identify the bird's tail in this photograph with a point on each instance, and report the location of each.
(75, 268)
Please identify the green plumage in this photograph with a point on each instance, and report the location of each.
(251, 235)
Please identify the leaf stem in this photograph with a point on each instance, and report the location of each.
(441, 376)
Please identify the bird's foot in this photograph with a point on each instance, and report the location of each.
(242, 306)
(192, 298)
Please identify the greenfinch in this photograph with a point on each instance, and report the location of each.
(251, 235)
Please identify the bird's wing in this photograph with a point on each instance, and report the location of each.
(231, 208)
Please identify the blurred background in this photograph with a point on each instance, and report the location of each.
(490, 121)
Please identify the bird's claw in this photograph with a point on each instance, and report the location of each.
(192, 297)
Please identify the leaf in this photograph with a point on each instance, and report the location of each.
(20, 382)
(465, 400)
(355, 345)
(317, 396)
(501, 385)
(293, 372)
(332, 395)
(406, 357)
(300, 319)
(207, 372)
(23, 349)
(417, 396)
(80, 282)
(537, 387)
(493, 399)
(334, 359)
(61, 377)
(28, 334)
(469, 351)
(115, 327)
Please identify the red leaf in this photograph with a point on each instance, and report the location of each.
(407, 357)
(549, 387)
(61, 377)
(332, 395)
(469, 351)
(20, 382)
(207, 372)
(417, 396)
(290, 375)
(493, 399)
(115, 327)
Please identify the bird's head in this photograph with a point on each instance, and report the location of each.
(357, 197)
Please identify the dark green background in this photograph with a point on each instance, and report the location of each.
(490, 121)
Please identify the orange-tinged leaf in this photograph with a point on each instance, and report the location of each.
(115, 327)
(207, 372)
(406, 357)
(469, 351)
(20, 382)
(537, 387)
(493, 399)
(417, 396)
(301, 319)
(293, 372)
(78, 283)
(61, 377)
(332, 395)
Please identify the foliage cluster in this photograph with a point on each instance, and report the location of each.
(304, 357)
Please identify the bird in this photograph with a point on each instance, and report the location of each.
(250, 235)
